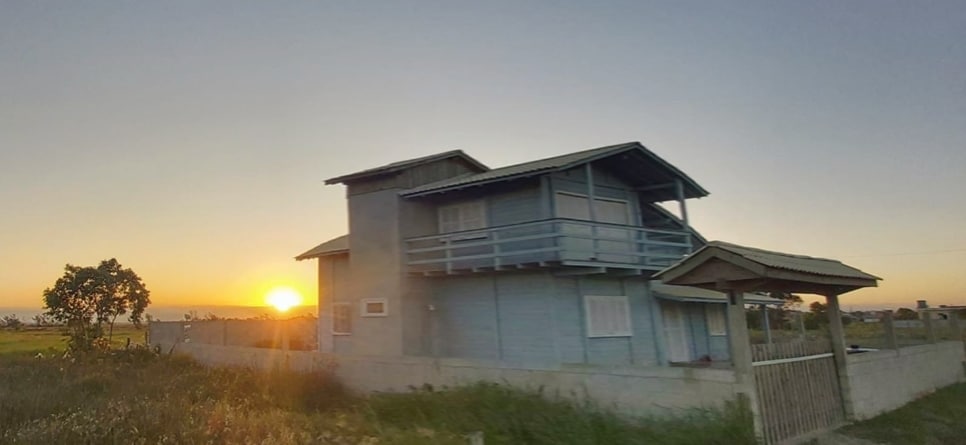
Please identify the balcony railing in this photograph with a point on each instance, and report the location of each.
(557, 242)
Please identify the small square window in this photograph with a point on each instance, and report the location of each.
(341, 318)
(375, 307)
(608, 316)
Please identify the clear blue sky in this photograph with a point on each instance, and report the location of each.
(190, 139)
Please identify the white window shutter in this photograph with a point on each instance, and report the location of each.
(607, 316)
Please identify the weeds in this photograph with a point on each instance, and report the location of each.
(138, 397)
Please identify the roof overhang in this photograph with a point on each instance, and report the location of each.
(655, 179)
(335, 246)
(724, 266)
(397, 167)
(688, 294)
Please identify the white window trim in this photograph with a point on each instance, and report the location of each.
(348, 314)
(711, 311)
(483, 216)
(598, 332)
(366, 301)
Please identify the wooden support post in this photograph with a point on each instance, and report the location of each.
(682, 206)
(801, 325)
(837, 337)
(930, 328)
(739, 346)
(889, 326)
(589, 173)
(766, 323)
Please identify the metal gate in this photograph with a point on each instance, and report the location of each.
(798, 388)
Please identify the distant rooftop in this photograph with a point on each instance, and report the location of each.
(334, 246)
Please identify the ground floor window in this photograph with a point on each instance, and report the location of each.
(607, 316)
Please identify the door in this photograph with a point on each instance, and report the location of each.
(675, 332)
(577, 242)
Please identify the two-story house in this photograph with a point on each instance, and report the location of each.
(540, 264)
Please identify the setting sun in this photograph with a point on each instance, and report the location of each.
(283, 298)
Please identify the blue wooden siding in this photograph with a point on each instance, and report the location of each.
(466, 318)
(538, 319)
(526, 318)
(518, 206)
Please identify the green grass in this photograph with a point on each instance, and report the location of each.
(936, 419)
(51, 339)
(139, 398)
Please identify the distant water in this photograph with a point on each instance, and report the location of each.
(174, 313)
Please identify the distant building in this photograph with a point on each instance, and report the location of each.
(941, 312)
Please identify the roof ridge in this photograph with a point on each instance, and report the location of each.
(726, 244)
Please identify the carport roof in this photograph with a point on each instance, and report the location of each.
(722, 266)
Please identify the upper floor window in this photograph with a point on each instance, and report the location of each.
(463, 216)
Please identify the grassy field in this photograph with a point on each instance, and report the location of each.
(46, 339)
(135, 397)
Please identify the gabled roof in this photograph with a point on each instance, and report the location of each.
(798, 263)
(720, 265)
(402, 165)
(698, 295)
(333, 246)
(651, 170)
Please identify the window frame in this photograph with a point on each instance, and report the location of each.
(348, 318)
(622, 302)
(364, 306)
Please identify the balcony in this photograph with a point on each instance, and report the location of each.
(573, 245)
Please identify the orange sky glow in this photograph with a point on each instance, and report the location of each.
(190, 142)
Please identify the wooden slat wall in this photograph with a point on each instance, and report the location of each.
(797, 397)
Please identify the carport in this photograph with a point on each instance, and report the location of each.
(770, 383)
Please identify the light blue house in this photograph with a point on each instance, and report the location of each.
(537, 265)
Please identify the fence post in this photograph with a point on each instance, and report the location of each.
(889, 327)
(930, 329)
(837, 337)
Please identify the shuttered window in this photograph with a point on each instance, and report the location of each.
(715, 316)
(607, 316)
(341, 318)
(463, 216)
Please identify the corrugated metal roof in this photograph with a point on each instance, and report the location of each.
(561, 162)
(401, 165)
(797, 263)
(331, 247)
(699, 295)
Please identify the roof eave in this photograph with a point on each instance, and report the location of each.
(395, 169)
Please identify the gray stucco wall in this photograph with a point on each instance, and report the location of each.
(632, 391)
(884, 380)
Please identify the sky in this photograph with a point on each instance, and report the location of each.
(190, 140)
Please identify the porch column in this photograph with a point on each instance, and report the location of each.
(837, 337)
(739, 346)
